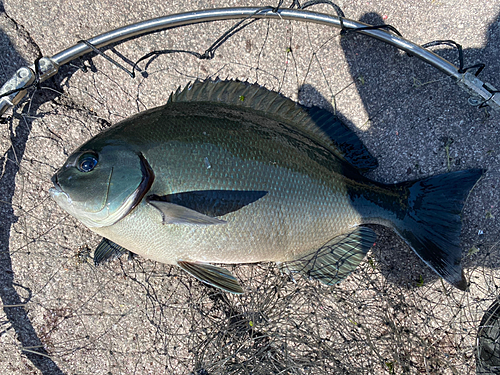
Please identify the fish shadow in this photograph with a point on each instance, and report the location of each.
(403, 98)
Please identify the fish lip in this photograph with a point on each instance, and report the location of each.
(57, 187)
(57, 191)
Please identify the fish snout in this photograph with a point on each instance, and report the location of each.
(56, 190)
(54, 180)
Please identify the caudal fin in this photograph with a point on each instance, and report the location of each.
(432, 223)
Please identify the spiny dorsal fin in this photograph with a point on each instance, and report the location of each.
(319, 124)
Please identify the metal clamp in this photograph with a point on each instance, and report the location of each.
(481, 93)
(22, 78)
(18, 84)
(47, 67)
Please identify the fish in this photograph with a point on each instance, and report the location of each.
(228, 172)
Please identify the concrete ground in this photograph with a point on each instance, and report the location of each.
(61, 315)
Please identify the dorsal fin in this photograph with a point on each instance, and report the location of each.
(319, 124)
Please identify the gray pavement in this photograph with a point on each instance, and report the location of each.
(139, 317)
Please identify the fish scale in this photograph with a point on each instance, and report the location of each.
(228, 172)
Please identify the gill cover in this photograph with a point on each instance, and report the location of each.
(101, 185)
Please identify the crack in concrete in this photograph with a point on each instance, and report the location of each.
(22, 32)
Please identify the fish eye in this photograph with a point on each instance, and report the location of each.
(87, 162)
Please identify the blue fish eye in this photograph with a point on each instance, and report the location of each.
(87, 162)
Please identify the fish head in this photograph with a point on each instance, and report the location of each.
(102, 182)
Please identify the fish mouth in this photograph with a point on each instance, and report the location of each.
(56, 189)
(58, 194)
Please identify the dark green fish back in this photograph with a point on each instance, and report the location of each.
(320, 125)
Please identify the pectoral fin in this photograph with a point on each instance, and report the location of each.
(174, 214)
(211, 202)
(337, 258)
(216, 276)
(107, 250)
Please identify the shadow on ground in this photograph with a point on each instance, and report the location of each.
(390, 97)
(14, 310)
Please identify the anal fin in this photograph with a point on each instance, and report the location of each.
(335, 260)
(212, 275)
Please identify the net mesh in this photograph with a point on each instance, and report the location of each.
(134, 316)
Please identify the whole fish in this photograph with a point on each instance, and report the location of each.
(229, 172)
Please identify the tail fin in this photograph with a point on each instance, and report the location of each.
(432, 223)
